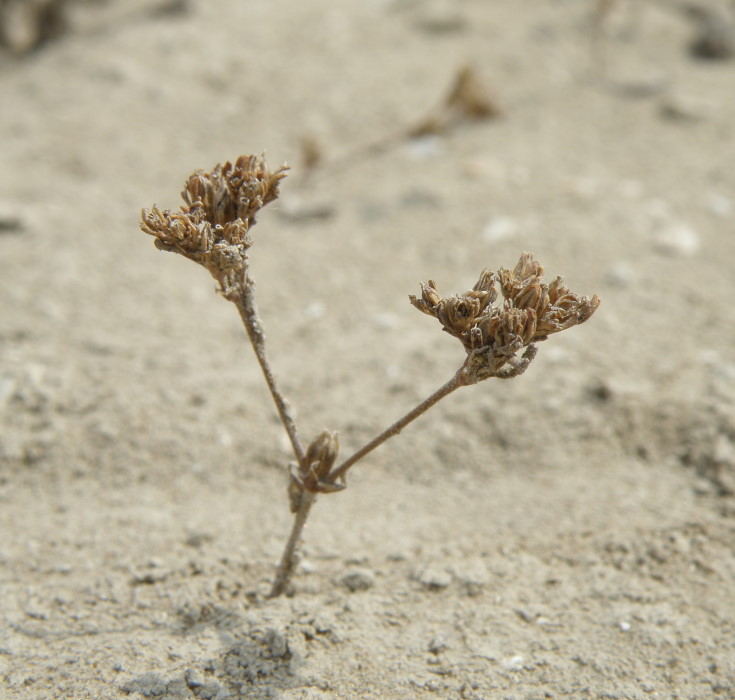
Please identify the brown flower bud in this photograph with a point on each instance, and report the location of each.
(182, 233)
(312, 477)
(251, 185)
(486, 283)
(508, 283)
(587, 307)
(557, 291)
(532, 295)
(430, 294)
(515, 329)
(527, 266)
(321, 454)
(458, 313)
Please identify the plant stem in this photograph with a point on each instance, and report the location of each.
(245, 302)
(458, 380)
(288, 558)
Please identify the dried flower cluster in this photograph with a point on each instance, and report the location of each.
(213, 230)
(492, 335)
(213, 226)
(313, 475)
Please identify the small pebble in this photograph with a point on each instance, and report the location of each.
(306, 566)
(315, 310)
(720, 205)
(514, 663)
(10, 221)
(386, 320)
(677, 240)
(440, 17)
(472, 572)
(499, 229)
(358, 580)
(619, 274)
(193, 678)
(424, 147)
(437, 644)
(432, 577)
(277, 643)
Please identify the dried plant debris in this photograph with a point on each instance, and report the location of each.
(467, 100)
(26, 25)
(312, 152)
(714, 26)
(11, 220)
(212, 228)
(714, 38)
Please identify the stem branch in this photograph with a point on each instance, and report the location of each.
(288, 558)
(245, 302)
(458, 380)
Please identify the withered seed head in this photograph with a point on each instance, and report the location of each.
(321, 453)
(457, 313)
(492, 335)
(430, 298)
(312, 476)
(212, 228)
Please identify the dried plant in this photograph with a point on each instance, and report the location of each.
(499, 335)
(26, 25)
(467, 100)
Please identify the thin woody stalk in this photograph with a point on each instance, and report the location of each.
(458, 380)
(287, 564)
(245, 302)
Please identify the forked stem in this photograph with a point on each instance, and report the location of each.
(245, 302)
(288, 561)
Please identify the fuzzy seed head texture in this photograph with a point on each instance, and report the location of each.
(492, 334)
(213, 226)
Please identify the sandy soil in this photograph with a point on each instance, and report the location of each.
(568, 533)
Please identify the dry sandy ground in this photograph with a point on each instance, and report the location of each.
(568, 533)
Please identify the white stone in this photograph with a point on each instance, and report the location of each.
(499, 229)
(619, 274)
(677, 240)
(720, 205)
